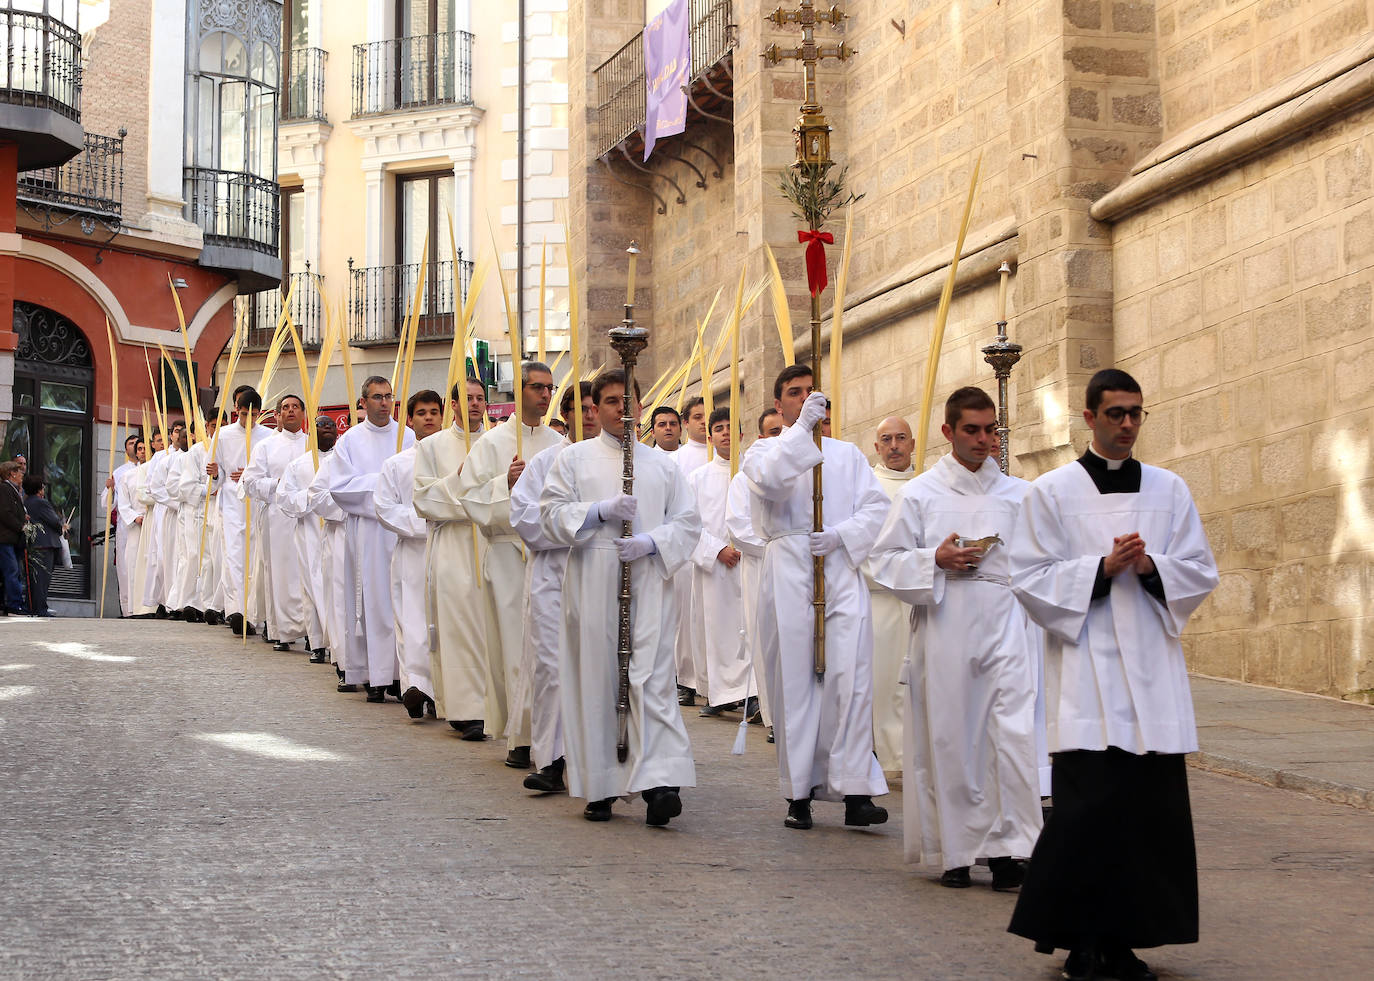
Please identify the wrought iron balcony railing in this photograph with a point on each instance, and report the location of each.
(263, 310)
(303, 100)
(379, 297)
(234, 209)
(620, 82)
(89, 187)
(43, 63)
(410, 72)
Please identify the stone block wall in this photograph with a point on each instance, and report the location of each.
(114, 92)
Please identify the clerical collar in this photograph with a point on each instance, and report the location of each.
(375, 428)
(1111, 464)
(885, 471)
(1121, 479)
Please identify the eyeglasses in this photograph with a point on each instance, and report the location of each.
(379, 397)
(539, 386)
(1117, 414)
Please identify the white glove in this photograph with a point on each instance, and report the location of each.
(812, 411)
(635, 547)
(621, 507)
(825, 542)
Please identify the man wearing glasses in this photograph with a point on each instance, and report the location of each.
(490, 471)
(369, 641)
(1110, 557)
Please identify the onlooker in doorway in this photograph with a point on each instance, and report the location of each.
(43, 549)
(12, 542)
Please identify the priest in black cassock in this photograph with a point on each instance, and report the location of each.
(1110, 557)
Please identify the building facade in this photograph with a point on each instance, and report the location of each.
(137, 156)
(400, 120)
(1182, 188)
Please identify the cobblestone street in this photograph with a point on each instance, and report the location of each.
(174, 805)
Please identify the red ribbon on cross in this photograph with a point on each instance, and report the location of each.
(816, 242)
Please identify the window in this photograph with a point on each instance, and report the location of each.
(293, 233)
(416, 17)
(233, 77)
(424, 203)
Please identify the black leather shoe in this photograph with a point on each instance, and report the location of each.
(252, 630)
(1125, 966)
(664, 804)
(345, 688)
(798, 815)
(686, 696)
(549, 779)
(235, 622)
(711, 711)
(472, 731)
(414, 701)
(956, 878)
(770, 734)
(1007, 873)
(860, 811)
(394, 690)
(518, 758)
(1081, 965)
(319, 656)
(161, 612)
(598, 810)
(376, 694)
(751, 711)
(281, 645)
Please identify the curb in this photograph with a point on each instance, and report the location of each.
(1328, 790)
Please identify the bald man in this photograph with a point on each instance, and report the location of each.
(890, 630)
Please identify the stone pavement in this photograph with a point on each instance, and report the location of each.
(1309, 743)
(175, 805)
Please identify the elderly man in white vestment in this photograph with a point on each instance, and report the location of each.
(369, 641)
(284, 588)
(490, 471)
(232, 451)
(717, 596)
(890, 615)
(293, 497)
(585, 510)
(459, 667)
(409, 590)
(130, 529)
(1110, 557)
(971, 790)
(544, 598)
(824, 727)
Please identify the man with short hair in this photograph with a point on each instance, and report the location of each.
(337, 577)
(369, 653)
(544, 597)
(890, 615)
(283, 588)
(313, 564)
(459, 669)
(666, 426)
(558, 426)
(186, 485)
(824, 727)
(1111, 558)
(394, 499)
(232, 451)
(584, 509)
(696, 450)
(117, 486)
(160, 525)
(971, 789)
(489, 472)
(716, 590)
(770, 423)
(13, 517)
(42, 551)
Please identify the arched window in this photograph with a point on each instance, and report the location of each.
(234, 107)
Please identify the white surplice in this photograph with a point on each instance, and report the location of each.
(1114, 668)
(128, 535)
(660, 754)
(394, 499)
(690, 656)
(824, 730)
(543, 608)
(891, 630)
(459, 667)
(158, 528)
(369, 654)
(337, 577)
(971, 787)
(283, 587)
(186, 484)
(739, 521)
(485, 494)
(717, 594)
(293, 497)
(231, 453)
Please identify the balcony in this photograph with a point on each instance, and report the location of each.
(303, 99)
(412, 73)
(238, 212)
(620, 82)
(40, 88)
(380, 295)
(89, 187)
(263, 311)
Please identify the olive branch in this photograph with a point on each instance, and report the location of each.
(814, 194)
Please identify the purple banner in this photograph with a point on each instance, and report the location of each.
(667, 64)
